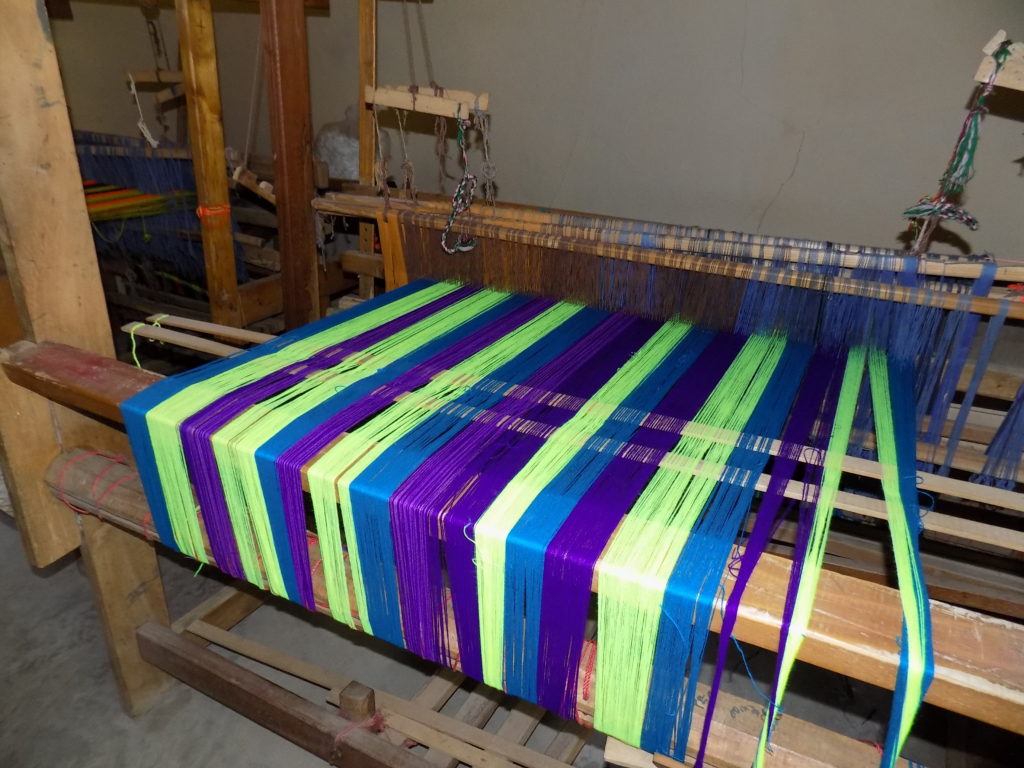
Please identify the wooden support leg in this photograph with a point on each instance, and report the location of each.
(286, 55)
(126, 583)
(206, 131)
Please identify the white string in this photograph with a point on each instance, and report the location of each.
(143, 128)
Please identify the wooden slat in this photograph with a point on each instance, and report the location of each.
(854, 629)
(362, 263)
(223, 609)
(451, 104)
(286, 64)
(206, 132)
(261, 298)
(186, 340)
(314, 728)
(482, 702)
(241, 335)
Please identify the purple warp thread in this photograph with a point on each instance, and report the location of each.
(572, 555)
(291, 461)
(811, 416)
(462, 479)
(198, 429)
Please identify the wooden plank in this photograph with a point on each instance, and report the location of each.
(1012, 73)
(206, 132)
(125, 578)
(521, 722)
(286, 64)
(50, 263)
(223, 609)
(452, 104)
(362, 263)
(568, 742)
(482, 702)
(47, 238)
(314, 728)
(261, 298)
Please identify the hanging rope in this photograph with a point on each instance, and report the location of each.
(927, 212)
(462, 198)
(380, 167)
(408, 172)
(487, 169)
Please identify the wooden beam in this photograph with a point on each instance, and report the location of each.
(367, 130)
(314, 728)
(52, 276)
(206, 131)
(123, 570)
(286, 64)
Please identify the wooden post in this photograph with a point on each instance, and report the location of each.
(48, 250)
(286, 63)
(367, 135)
(206, 131)
(50, 261)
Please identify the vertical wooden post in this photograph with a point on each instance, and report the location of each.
(286, 63)
(206, 131)
(48, 250)
(129, 592)
(50, 261)
(367, 137)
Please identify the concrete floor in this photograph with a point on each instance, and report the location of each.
(59, 705)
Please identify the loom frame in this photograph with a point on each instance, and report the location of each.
(72, 404)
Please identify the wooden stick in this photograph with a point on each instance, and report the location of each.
(242, 335)
(455, 104)
(186, 340)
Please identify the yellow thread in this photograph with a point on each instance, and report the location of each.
(131, 334)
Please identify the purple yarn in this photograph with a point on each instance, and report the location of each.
(198, 429)
(573, 553)
(817, 401)
(294, 458)
(460, 481)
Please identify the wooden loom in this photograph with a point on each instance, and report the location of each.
(63, 400)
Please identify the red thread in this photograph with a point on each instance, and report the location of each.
(60, 476)
(205, 211)
(875, 744)
(374, 724)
